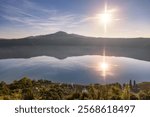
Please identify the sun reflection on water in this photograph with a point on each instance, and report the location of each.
(104, 66)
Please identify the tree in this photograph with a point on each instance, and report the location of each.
(4, 89)
(93, 92)
(27, 94)
(133, 96)
(25, 82)
(134, 83)
(73, 96)
(130, 84)
(126, 93)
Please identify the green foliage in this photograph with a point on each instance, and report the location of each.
(4, 88)
(126, 92)
(21, 84)
(27, 94)
(27, 89)
(74, 96)
(133, 96)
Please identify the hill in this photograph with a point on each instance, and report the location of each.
(62, 45)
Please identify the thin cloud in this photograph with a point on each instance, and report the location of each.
(35, 17)
(48, 17)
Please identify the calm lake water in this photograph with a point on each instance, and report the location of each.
(81, 69)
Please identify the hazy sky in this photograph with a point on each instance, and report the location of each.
(20, 18)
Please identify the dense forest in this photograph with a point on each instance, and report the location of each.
(27, 89)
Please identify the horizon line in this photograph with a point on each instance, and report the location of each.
(111, 37)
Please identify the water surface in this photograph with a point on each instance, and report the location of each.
(80, 70)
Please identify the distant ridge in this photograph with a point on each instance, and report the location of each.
(62, 33)
(63, 38)
(62, 44)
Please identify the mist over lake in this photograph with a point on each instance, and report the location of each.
(78, 70)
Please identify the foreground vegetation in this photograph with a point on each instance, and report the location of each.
(27, 89)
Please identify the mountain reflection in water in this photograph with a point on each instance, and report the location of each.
(80, 70)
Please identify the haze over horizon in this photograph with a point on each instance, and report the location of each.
(66, 33)
(23, 18)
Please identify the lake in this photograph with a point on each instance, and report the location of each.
(78, 69)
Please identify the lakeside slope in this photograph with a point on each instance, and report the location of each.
(62, 45)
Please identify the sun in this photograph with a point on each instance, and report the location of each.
(105, 18)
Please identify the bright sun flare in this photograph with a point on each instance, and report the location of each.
(105, 18)
(104, 66)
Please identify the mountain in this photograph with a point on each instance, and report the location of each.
(62, 45)
(63, 38)
(58, 38)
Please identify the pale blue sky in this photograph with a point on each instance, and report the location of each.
(21, 18)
